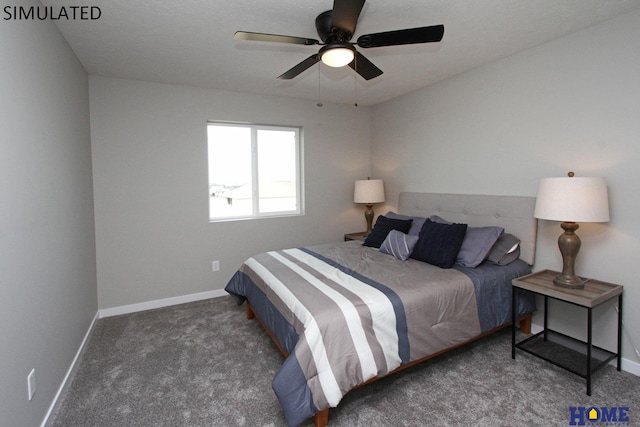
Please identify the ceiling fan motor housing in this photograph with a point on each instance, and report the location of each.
(327, 32)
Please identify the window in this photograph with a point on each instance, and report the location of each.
(254, 171)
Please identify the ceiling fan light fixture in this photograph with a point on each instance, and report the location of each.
(337, 55)
(336, 28)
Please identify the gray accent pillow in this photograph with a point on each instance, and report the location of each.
(398, 244)
(505, 250)
(416, 225)
(477, 244)
(439, 220)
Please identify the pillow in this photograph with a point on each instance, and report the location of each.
(438, 244)
(476, 245)
(398, 244)
(383, 226)
(439, 220)
(505, 250)
(416, 225)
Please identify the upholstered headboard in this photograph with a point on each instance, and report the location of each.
(513, 213)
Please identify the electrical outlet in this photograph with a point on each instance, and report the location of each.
(31, 384)
(215, 266)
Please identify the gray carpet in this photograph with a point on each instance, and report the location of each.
(204, 364)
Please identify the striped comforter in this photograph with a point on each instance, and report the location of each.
(347, 313)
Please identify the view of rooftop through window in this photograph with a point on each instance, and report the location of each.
(254, 171)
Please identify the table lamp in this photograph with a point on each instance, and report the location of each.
(571, 200)
(369, 191)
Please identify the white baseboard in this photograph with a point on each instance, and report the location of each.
(150, 305)
(631, 367)
(627, 364)
(535, 328)
(71, 369)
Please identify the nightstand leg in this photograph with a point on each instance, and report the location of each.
(619, 332)
(546, 310)
(589, 331)
(513, 321)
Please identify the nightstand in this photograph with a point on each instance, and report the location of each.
(576, 356)
(360, 235)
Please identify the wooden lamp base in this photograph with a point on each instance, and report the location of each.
(569, 244)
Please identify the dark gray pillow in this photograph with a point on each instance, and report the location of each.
(476, 245)
(416, 225)
(382, 227)
(399, 244)
(505, 250)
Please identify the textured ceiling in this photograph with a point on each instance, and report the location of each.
(190, 42)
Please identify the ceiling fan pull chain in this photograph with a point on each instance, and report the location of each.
(355, 80)
(319, 104)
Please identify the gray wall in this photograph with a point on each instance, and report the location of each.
(47, 244)
(568, 105)
(149, 146)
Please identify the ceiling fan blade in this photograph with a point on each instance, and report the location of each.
(345, 14)
(430, 34)
(364, 67)
(313, 59)
(276, 38)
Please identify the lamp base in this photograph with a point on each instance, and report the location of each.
(368, 215)
(571, 282)
(569, 244)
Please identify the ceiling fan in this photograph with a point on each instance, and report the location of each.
(336, 28)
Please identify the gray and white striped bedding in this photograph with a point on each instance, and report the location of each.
(347, 313)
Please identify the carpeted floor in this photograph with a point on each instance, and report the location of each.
(204, 364)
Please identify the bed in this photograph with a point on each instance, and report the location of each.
(348, 313)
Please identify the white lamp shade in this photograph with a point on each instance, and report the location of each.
(369, 191)
(573, 199)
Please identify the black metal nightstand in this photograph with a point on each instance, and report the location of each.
(576, 356)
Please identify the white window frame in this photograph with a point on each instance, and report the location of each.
(256, 214)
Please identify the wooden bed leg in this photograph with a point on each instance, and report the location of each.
(321, 419)
(250, 313)
(525, 323)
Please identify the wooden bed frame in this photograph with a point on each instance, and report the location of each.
(514, 214)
